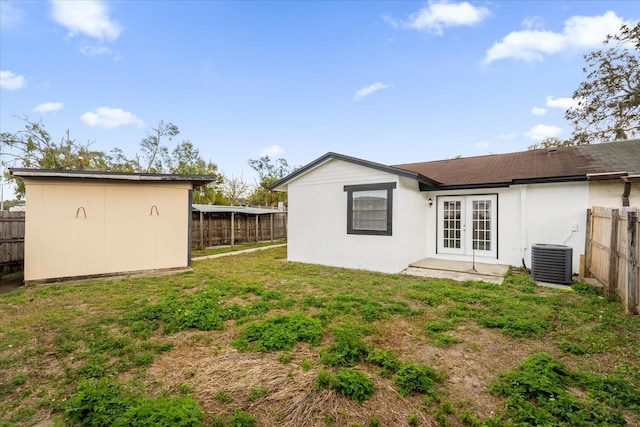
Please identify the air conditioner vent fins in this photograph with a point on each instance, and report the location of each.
(551, 263)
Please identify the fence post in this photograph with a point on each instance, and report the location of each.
(271, 218)
(201, 230)
(632, 264)
(587, 246)
(257, 228)
(613, 253)
(233, 228)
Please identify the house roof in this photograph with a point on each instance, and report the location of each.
(560, 164)
(423, 180)
(577, 163)
(235, 209)
(196, 180)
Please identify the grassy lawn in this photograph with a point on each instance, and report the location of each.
(255, 340)
(214, 250)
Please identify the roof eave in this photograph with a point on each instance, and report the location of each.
(279, 185)
(195, 180)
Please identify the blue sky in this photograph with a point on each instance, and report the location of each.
(391, 82)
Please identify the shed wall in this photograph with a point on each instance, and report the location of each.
(78, 228)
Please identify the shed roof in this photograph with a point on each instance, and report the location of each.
(196, 180)
(235, 209)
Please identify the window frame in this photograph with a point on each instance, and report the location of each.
(350, 189)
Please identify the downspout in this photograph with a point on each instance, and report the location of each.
(626, 193)
(523, 223)
(627, 188)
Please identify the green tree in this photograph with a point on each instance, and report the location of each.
(33, 147)
(609, 99)
(153, 154)
(235, 190)
(185, 159)
(269, 172)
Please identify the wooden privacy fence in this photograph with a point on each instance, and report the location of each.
(11, 241)
(612, 253)
(230, 228)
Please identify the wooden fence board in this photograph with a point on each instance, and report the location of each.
(614, 251)
(11, 239)
(216, 229)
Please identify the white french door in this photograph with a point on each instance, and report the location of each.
(467, 225)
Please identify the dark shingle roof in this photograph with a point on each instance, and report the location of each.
(561, 164)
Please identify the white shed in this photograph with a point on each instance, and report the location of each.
(88, 223)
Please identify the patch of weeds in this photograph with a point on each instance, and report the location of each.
(313, 301)
(280, 332)
(21, 416)
(514, 325)
(520, 280)
(223, 397)
(435, 329)
(329, 419)
(15, 382)
(107, 402)
(374, 421)
(385, 359)
(201, 310)
(256, 392)
(537, 393)
(412, 419)
(306, 364)
(416, 378)
(588, 290)
(349, 382)
(348, 349)
(285, 358)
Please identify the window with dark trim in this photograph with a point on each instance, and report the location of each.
(370, 208)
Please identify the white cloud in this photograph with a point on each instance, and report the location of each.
(540, 132)
(89, 17)
(439, 15)
(579, 33)
(108, 118)
(482, 144)
(565, 103)
(508, 135)
(271, 151)
(10, 80)
(48, 107)
(90, 50)
(538, 111)
(366, 91)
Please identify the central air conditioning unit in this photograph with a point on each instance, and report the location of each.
(551, 263)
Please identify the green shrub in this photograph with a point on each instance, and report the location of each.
(280, 332)
(412, 420)
(415, 378)
(354, 384)
(348, 349)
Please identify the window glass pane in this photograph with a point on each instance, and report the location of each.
(369, 211)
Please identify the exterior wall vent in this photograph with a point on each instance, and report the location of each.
(551, 263)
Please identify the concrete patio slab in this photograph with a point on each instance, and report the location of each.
(457, 270)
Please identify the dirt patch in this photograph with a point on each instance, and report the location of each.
(208, 365)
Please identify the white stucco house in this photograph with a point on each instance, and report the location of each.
(350, 212)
